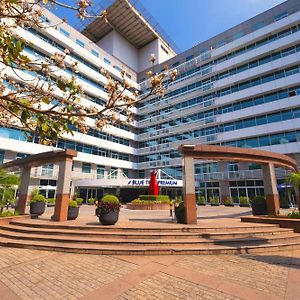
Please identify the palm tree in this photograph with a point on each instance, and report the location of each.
(294, 179)
(8, 182)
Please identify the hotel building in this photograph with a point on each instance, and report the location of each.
(240, 88)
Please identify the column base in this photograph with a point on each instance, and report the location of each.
(21, 205)
(61, 208)
(273, 204)
(190, 209)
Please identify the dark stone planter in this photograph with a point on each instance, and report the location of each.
(244, 205)
(202, 204)
(109, 218)
(37, 208)
(229, 204)
(259, 209)
(180, 214)
(73, 213)
(213, 204)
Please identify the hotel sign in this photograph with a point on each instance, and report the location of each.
(161, 182)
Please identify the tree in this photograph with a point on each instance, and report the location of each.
(294, 179)
(8, 183)
(49, 105)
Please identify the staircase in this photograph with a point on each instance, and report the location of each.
(246, 238)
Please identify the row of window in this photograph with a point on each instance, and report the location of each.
(278, 95)
(229, 126)
(258, 141)
(254, 63)
(17, 134)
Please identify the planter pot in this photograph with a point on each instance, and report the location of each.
(244, 205)
(73, 213)
(109, 218)
(229, 205)
(179, 213)
(91, 203)
(37, 208)
(259, 209)
(214, 204)
(202, 204)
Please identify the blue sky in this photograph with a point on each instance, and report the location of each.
(189, 22)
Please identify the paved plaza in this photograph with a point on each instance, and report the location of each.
(34, 274)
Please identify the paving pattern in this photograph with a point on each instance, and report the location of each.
(33, 274)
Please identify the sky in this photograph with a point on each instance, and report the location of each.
(189, 22)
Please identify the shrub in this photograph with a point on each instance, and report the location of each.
(9, 213)
(110, 199)
(294, 215)
(51, 200)
(214, 201)
(164, 198)
(38, 198)
(79, 201)
(136, 201)
(73, 204)
(228, 202)
(35, 192)
(91, 200)
(244, 201)
(201, 200)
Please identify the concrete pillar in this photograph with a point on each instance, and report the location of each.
(189, 191)
(23, 190)
(270, 187)
(224, 184)
(63, 190)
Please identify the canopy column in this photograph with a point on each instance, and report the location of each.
(270, 188)
(189, 190)
(23, 190)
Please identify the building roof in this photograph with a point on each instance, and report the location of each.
(127, 19)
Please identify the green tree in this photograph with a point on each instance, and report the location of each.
(294, 179)
(8, 183)
(50, 105)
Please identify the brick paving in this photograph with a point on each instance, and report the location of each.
(33, 274)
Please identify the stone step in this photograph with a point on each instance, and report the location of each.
(238, 233)
(67, 239)
(147, 249)
(150, 228)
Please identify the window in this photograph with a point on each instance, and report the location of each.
(175, 64)
(281, 16)
(86, 168)
(113, 173)
(189, 57)
(80, 43)
(164, 49)
(47, 170)
(117, 68)
(100, 172)
(106, 61)
(238, 35)
(95, 53)
(64, 32)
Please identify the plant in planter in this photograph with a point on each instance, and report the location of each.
(108, 210)
(179, 212)
(201, 200)
(228, 202)
(73, 210)
(79, 201)
(259, 206)
(214, 201)
(244, 201)
(294, 215)
(50, 202)
(91, 201)
(37, 205)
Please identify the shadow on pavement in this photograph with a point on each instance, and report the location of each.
(224, 216)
